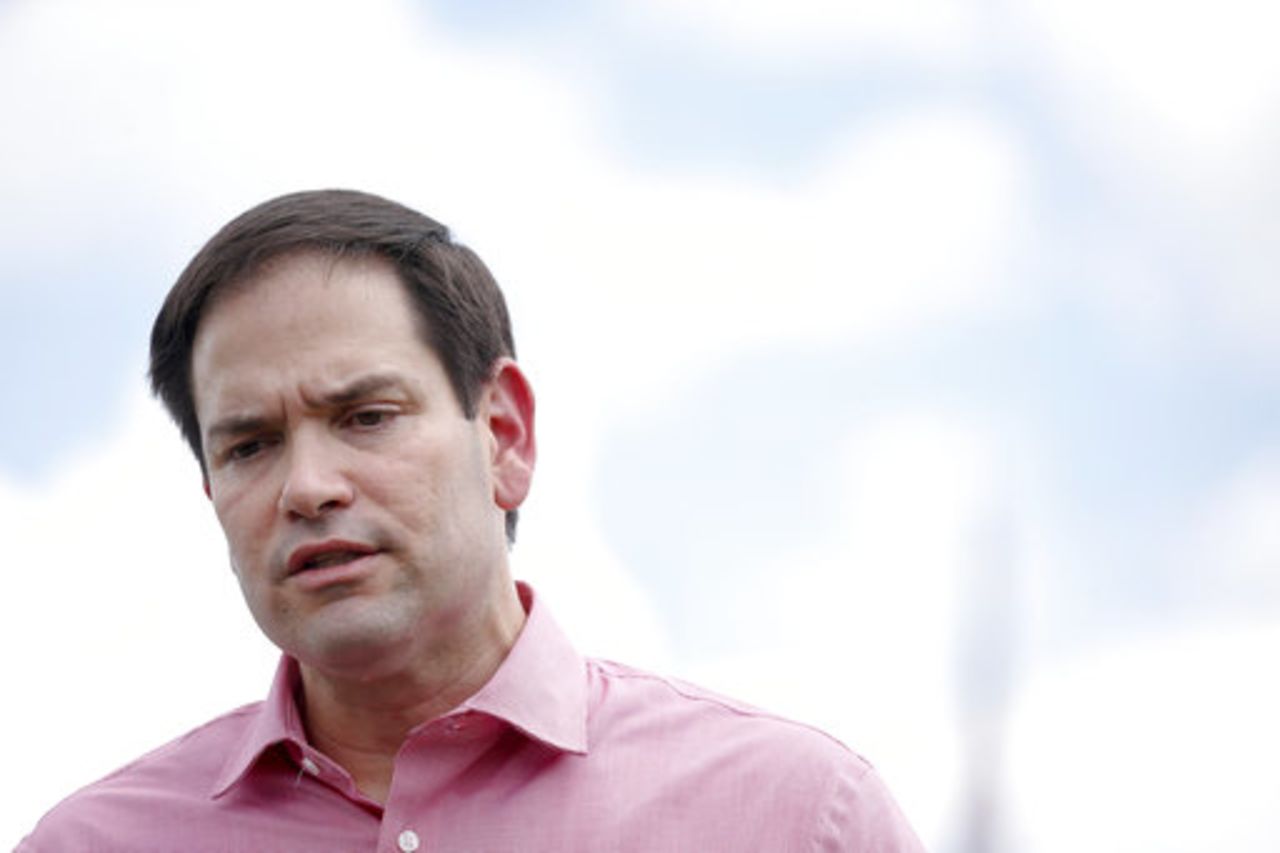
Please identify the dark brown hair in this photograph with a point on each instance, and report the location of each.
(461, 312)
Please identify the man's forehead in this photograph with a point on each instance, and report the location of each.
(317, 322)
(285, 284)
(330, 388)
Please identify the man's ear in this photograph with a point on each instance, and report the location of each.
(208, 492)
(508, 410)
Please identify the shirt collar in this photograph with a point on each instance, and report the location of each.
(277, 721)
(540, 689)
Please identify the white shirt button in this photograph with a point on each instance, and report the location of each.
(408, 841)
(309, 766)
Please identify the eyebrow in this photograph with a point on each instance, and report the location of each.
(361, 389)
(234, 425)
(353, 392)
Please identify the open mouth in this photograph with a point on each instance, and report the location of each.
(326, 555)
(333, 558)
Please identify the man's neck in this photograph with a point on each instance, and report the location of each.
(361, 723)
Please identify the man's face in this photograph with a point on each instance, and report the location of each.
(360, 506)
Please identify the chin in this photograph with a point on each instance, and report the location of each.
(367, 645)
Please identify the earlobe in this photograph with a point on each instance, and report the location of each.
(208, 492)
(510, 414)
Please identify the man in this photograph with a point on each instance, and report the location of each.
(345, 375)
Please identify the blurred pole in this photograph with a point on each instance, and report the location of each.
(986, 653)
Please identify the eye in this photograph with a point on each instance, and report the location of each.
(369, 418)
(245, 450)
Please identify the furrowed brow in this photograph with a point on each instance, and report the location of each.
(364, 388)
(233, 426)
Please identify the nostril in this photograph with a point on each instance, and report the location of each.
(311, 498)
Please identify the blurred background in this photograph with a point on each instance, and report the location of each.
(908, 368)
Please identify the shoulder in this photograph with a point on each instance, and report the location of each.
(767, 776)
(176, 777)
(658, 703)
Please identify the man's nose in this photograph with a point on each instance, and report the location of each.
(315, 482)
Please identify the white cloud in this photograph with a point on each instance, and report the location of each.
(1175, 109)
(816, 31)
(1201, 78)
(915, 219)
(203, 108)
(1168, 743)
(1236, 541)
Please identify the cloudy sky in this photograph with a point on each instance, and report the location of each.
(909, 368)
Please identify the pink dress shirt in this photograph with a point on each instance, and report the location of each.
(555, 753)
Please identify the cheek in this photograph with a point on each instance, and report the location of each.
(428, 494)
(243, 517)
(415, 499)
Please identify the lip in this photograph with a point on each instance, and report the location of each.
(347, 575)
(298, 560)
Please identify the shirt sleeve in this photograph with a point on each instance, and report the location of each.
(859, 815)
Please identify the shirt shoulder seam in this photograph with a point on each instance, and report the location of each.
(612, 669)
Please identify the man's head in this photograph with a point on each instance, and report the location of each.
(460, 312)
(363, 509)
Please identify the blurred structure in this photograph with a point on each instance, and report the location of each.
(987, 645)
